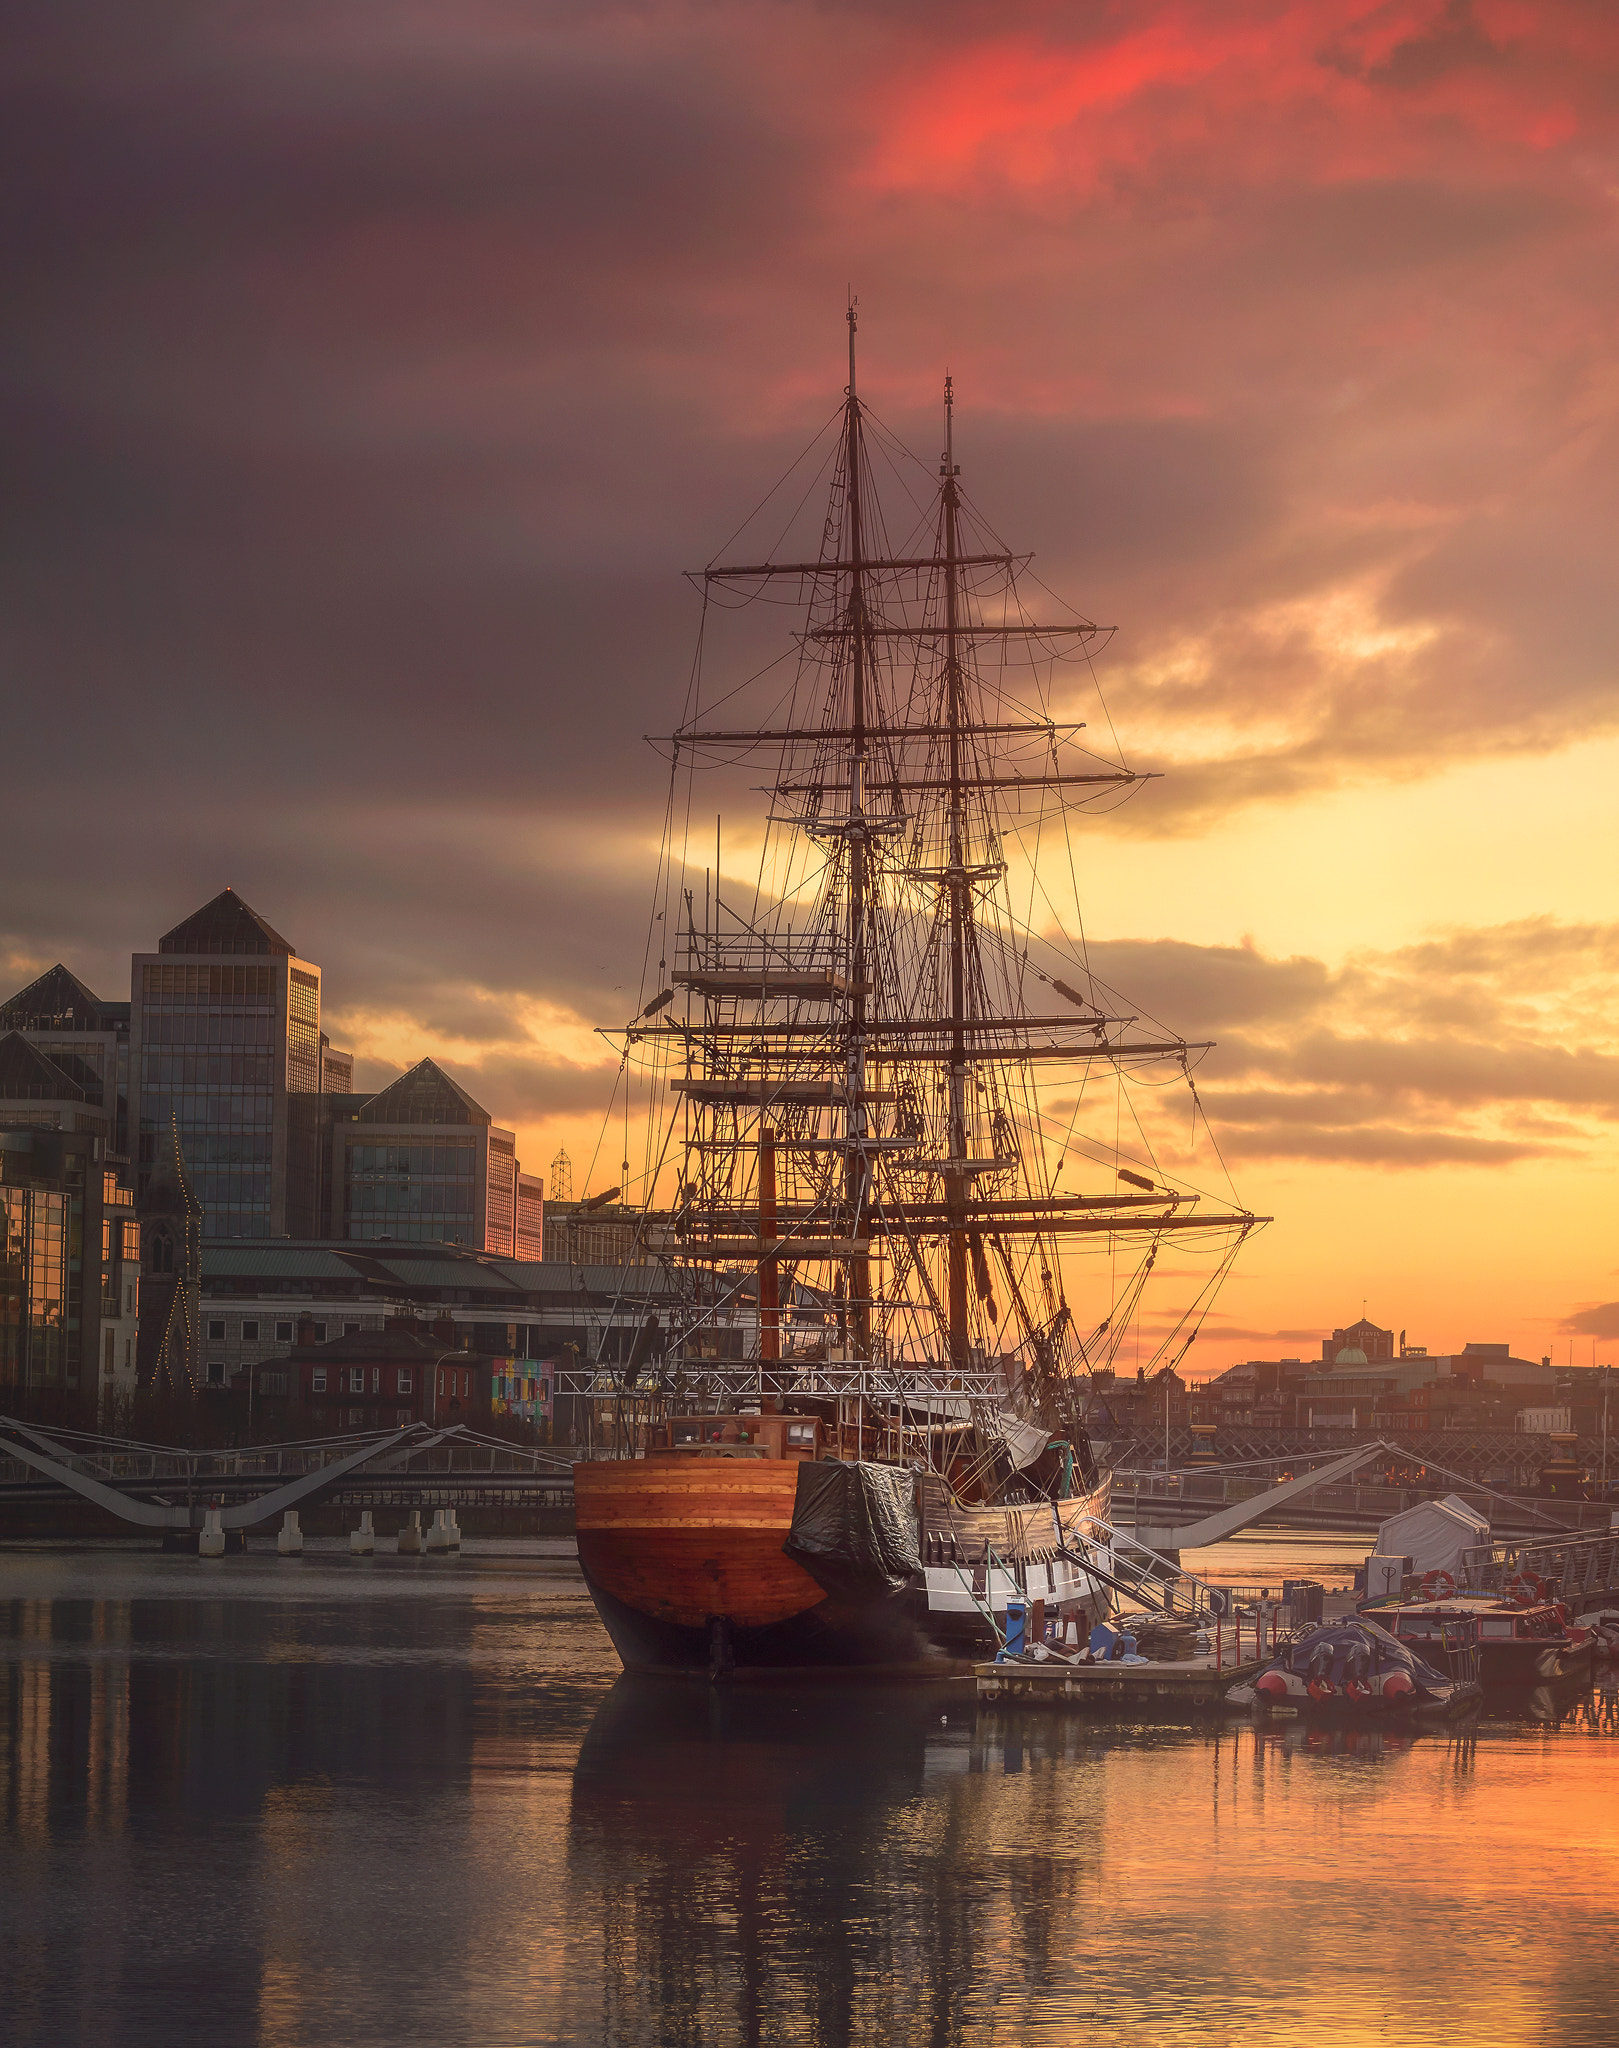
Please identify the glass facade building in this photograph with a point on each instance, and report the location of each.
(33, 1288)
(69, 1260)
(225, 1026)
(422, 1163)
(426, 1192)
(85, 1037)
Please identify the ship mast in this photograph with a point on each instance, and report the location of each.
(955, 1171)
(857, 1165)
(854, 1083)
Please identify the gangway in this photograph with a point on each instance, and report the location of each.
(1227, 1521)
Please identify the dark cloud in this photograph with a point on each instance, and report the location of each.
(372, 373)
(1376, 1145)
(1453, 1051)
(1456, 42)
(1602, 1321)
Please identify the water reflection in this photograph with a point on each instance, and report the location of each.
(747, 1838)
(301, 1809)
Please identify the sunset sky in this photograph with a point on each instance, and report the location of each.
(375, 369)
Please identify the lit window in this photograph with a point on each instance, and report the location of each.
(317, 1380)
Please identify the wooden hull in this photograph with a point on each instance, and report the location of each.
(683, 1540)
(684, 1559)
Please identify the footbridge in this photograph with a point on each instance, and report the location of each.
(1203, 1504)
(165, 1488)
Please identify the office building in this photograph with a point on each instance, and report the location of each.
(69, 1268)
(530, 1215)
(336, 1069)
(87, 1038)
(421, 1162)
(224, 1031)
(48, 1094)
(598, 1233)
(260, 1300)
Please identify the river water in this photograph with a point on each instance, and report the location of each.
(388, 1801)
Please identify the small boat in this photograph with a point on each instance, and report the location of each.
(1526, 1640)
(1604, 1627)
(1356, 1671)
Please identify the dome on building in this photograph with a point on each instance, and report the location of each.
(1351, 1354)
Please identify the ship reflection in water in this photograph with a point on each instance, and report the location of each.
(331, 1803)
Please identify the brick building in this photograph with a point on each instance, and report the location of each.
(373, 1379)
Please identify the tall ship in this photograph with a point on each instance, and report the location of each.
(902, 1146)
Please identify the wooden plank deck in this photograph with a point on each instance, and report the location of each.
(1169, 1691)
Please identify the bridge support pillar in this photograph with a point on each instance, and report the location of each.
(410, 1537)
(363, 1541)
(289, 1537)
(445, 1533)
(211, 1542)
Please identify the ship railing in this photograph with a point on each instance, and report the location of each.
(1457, 1643)
(967, 1575)
(1576, 1567)
(1150, 1575)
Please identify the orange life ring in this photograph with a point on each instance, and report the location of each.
(1526, 1589)
(1438, 1585)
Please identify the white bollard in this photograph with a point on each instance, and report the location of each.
(410, 1537)
(290, 1538)
(211, 1543)
(363, 1541)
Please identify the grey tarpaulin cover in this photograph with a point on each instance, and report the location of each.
(854, 1527)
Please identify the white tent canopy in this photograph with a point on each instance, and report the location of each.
(1433, 1535)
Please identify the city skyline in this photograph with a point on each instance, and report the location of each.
(1239, 1344)
(1280, 333)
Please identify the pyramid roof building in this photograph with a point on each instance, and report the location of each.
(57, 1001)
(225, 925)
(424, 1095)
(27, 1075)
